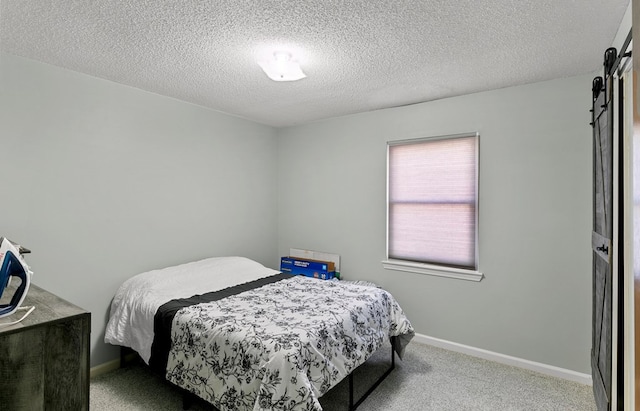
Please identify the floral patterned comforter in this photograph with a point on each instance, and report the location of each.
(283, 345)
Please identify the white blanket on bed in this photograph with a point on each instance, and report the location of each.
(137, 300)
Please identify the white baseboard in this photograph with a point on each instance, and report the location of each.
(104, 368)
(111, 365)
(447, 345)
(506, 359)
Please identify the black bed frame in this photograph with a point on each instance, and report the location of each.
(188, 398)
(353, 406)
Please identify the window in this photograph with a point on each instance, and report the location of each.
(432, 206)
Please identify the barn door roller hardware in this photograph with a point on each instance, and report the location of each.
(611, 62)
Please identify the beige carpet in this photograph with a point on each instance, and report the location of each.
(428, 378)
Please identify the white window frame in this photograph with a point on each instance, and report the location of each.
(435, 269)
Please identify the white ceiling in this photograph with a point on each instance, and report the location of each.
(359, 55)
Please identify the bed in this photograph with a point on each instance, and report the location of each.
(242, 336)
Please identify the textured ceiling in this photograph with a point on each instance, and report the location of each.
(359, 55)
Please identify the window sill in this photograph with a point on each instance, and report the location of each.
(419, 268)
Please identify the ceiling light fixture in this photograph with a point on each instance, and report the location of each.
(282, 67)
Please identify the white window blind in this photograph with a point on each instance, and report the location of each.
(433, 201)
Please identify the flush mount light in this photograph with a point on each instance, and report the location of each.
(282, 67)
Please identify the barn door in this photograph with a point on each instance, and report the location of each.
(601, 238)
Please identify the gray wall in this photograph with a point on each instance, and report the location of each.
(104, 181)
(111, 181)
(535, 215)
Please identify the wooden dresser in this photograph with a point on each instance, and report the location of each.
(44, 360)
